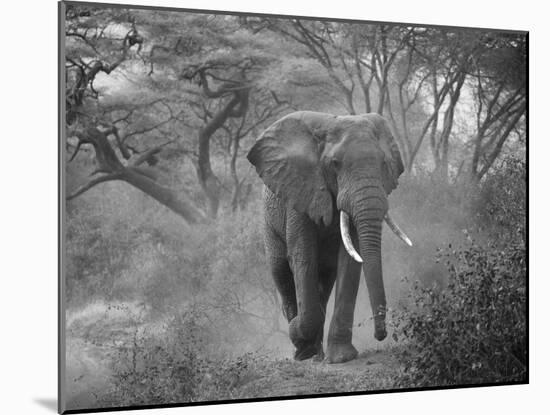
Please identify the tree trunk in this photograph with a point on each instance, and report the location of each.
(234, 176)
(498, 147)
(113, 169)
(236, 107)
(164, 195)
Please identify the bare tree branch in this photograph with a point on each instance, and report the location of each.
(87, 186)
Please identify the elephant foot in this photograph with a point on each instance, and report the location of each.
(305, 352)
(380, 332)
(320, 356)
(340, 353)
(304, 335)
(289, 310)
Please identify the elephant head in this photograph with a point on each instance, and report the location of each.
(321, 164)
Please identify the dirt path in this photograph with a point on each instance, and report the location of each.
(94, 336)
(370, 371)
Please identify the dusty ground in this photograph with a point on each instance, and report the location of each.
(95, 334)
(370, 371)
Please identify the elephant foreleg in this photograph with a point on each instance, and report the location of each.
(339, 347)
(327, 276)
(306, 327)
(281, 273)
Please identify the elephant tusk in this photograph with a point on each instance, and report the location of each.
(393, 226)
(346, 238)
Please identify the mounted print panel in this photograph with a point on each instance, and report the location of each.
(258, 207)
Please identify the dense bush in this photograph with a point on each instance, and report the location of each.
(130, 248)
(172, 365)
(97, 252)
(240, 287)
(500, 206)
(472, 328)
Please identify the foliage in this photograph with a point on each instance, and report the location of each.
(114, 251)
(473, 330)
(173, 367)
(473, 327)
(139, 253)
(501, 203)
(170, 84)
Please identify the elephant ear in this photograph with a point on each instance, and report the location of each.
(394, 164)
(287, 158)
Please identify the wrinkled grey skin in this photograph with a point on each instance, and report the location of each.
(314, 165)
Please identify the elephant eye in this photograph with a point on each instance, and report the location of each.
(336, 163)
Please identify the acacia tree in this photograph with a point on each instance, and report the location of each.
(444, 57)
(319, 42)
(232, 95)
(501, 92)
(222, 67)
(231, 114)
(104, 41)
(359, 59)
(91, 39)
(488, 68)
(188, 71)
(417, 77)
(264, 106)
(220, 79)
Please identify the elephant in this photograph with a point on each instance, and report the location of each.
(327, 176)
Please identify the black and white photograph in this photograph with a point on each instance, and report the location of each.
(259, 207)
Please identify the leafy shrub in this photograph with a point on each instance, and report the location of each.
(154, 369)
(96, 253)
(500, 206)
(224, 378)
(474, 329)
(240, 287)
(172, 366)
(470, 326)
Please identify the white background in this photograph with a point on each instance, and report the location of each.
(28, 218)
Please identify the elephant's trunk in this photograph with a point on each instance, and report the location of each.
(369, 234)
(368, 211)
(368, 207)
